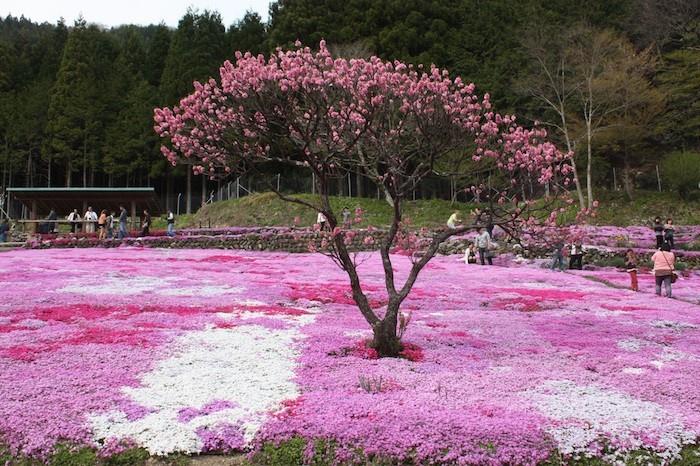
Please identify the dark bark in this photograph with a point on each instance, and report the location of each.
(385, 340)
(188, 191)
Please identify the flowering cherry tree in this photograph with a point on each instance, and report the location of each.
(389, 121)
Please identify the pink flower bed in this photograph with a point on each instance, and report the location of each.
(635, 236)
(197, 350)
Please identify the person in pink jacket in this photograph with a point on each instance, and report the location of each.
(664, 265)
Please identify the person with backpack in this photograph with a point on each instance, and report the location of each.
(664, 269)
(631, 266)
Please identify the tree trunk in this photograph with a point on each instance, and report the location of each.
(385, 340)
(627, 179)
(168, 189)
(85, 162)
(69, 169)
(28, 180)
(204, 190)
(188, 194)
(589, 165)
(359, 185)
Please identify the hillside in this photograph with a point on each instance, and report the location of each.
(265, 209)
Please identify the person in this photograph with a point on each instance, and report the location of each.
(658, 232)
(346, 217)
(576, 256)
(668, 233)
(664, 267)
(171, 223)
(558, 257)
(146, 223)
(102, 225)
(74, 219)
(51, 222)
(122, 222)
(483, 244)
(453, 220)
(4, 230)
(631, 266)
(470, 254)
(110, 225)
(321, 220)
(489, 222)
(90, 218)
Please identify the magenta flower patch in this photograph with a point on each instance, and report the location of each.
(190, 351)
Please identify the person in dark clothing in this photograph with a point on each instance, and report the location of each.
(53, 223)
(146, 224)
(658, 232)
(123, 216)
(4, 229)
(488, 221)
(576, 256)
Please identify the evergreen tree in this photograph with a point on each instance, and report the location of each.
(156, 55)
(247, 35)
(77, 101)
(196, 52)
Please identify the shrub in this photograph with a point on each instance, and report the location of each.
(681, 172)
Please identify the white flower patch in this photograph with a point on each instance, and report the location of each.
(206, 291)
(633, 370)
(251, 366)
(119, 285)
(669, 355)
(584, 414)
(631, 344)
(358, 333)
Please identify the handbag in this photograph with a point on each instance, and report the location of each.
(674, 275)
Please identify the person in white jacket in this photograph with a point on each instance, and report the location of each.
(470, 254)
(90, 218)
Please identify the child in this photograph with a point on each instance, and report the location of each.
(470, 254)
(631, 266)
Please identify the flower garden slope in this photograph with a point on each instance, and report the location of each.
(196, 350)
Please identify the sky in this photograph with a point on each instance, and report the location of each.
(116, 12)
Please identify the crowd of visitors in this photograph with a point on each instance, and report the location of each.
(107, 225)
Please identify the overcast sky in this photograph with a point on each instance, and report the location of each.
(116, 12)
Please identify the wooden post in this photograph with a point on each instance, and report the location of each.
(32, 216)
(658, 178)
(133, 215)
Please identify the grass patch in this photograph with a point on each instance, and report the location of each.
(266, 209)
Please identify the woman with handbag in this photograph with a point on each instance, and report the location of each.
(664, 269)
